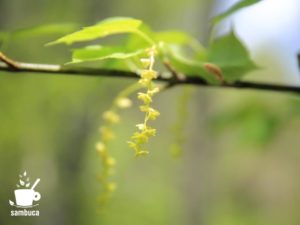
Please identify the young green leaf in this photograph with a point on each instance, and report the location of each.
(105, 28)
(233, 9)
(136, 42)
(186, 65)
(175, 37)
(97, 52)
(37, 31)
(228, 53)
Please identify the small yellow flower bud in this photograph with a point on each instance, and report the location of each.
(111, 187)
(140, 137)
(124, 103)
(146, 62)
(145, 98)
(153, 114)
(145, 82)
(153, 91)
(107, 134)
(141, 126)
(100, 147)
(110, 161)
(144, 108)
(131, 144)
(149, 74)
(150, 132)
(111, 116)
(142, 153)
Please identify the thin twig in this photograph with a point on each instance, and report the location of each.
(9, 62)
(20, 67)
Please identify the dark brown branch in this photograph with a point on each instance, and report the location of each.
(19, 67)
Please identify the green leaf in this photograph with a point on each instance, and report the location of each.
(136, 42)
(175, 37)
(186, 65)
(229, 53)
(97, 52)
(105, 28)
(233, 9)
(37, 31)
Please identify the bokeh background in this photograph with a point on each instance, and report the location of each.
(240, 159)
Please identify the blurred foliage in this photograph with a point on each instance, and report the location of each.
(255, 122)
(48, 127)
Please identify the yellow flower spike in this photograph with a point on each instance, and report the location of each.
(145, 132)
(123, 103)
(111, 117)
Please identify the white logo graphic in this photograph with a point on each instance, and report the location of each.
(25, 197)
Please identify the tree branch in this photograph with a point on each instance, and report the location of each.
(8, 65)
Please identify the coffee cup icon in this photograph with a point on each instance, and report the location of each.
(25, 197)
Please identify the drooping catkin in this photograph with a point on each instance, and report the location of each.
(110, 118)
(141, 137)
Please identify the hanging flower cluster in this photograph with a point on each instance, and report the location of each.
(110, 117)
(144, 130)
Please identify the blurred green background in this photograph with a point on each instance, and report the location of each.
(241, 155)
